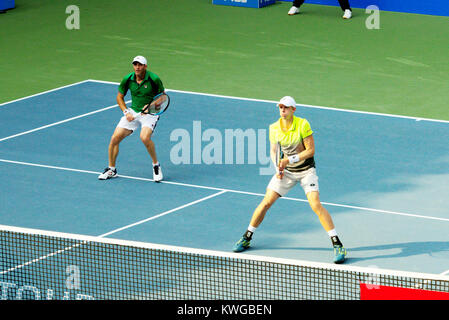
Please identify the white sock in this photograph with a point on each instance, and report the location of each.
(249, 232)
(332, 233)
(112, 168)
(155, 164)
(251, 228)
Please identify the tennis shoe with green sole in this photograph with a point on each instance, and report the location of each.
(241, 245)
(339, 254)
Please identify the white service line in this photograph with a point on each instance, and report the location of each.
(405, 214)
(162, 214)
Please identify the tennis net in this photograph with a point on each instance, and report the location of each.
(38, 264)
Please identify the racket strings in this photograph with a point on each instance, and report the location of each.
(158, 105)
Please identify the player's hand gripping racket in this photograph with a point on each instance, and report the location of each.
(158, 106)
(278, 157)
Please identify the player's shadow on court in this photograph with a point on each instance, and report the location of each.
(401, 250)
(396, 250)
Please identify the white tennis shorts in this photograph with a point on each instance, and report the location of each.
(140, 120)
(308, 180)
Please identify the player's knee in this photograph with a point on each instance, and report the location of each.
(146, 139)
(266, 204)
(118, 135)
(115, 140)
(145, 135)
(316, 207)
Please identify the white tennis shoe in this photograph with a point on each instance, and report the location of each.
(347, 14)
(108, 173)
(157, 173)
(293, 10)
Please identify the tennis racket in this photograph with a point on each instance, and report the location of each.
(158, 106)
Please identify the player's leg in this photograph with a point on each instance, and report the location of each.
(261, 210)
(148, 126)
(113, 150)
(323, 215)
(326, 221)
(256, 219)
(344, 5)
(117, 137)
(309, 182)
(275, 189)
(145, 136)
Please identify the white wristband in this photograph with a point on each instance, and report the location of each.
(293, 159)
(125, 111)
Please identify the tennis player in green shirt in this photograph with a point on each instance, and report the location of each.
(295, 137)
(144, 86)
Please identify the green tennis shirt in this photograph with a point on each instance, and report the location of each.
(143, 93)
(292, 141)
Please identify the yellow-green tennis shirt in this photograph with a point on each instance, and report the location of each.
(291, 141)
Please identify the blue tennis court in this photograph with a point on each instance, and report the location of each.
(384, 179)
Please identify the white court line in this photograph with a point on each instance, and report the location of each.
(298, 104)
(59, 122)
(194, 93)
(44, 92)
(111, 232)
(235, 98)
(41, 258)
(234, 191)
(162, 214)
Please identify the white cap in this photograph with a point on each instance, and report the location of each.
(140, 59)
(287, 101)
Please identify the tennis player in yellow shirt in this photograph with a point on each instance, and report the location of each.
(295, 137)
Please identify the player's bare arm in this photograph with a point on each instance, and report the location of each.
(309, 151)
(121, 103)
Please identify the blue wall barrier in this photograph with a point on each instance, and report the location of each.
(432, 7)
(245, 3)
(6, 4)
